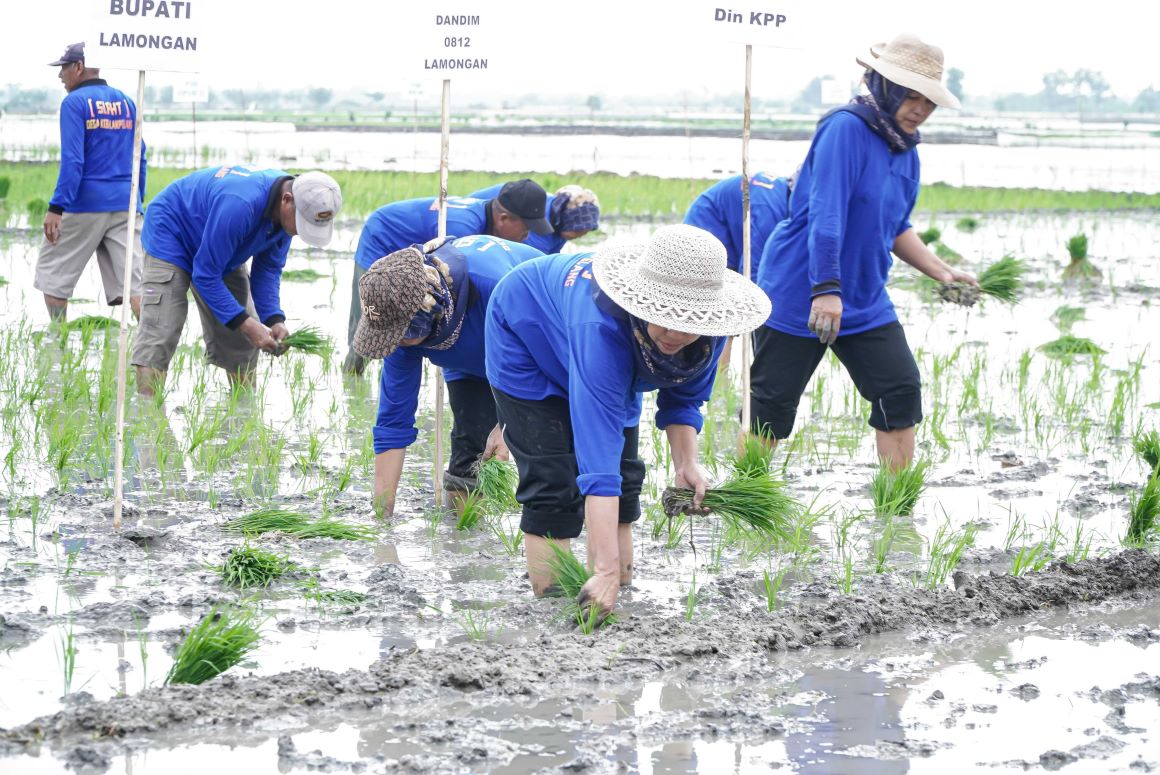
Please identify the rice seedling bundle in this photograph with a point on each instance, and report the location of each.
(754, 504)
(496, 482)
(754, 459)
(246, 567)
(471, 510)
(568, 573)
(1147, 446)
(967, 223)
(1145, 508)
(270, 519)
(1066, 316)
(92, 322)
(310, 340)
(1068, 346)
(1002, 280)
(218, 642)
(1077, 247)
(895, 491)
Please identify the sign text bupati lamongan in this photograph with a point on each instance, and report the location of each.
(148, 34)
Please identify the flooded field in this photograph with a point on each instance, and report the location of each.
(1002, 624)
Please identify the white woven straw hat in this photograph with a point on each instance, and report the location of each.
(678, 280)
(909, 62)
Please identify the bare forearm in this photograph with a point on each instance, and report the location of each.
(602, 515)
(388, 471)
(683, 444)
(909, 248)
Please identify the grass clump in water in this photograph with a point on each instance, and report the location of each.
(218, 642)
(967, 223)
(1068, 346)
(895, 491)
(1147, 446)
(271, 519)
(496, 483)
(301, 275)
(310, 340)
(246, 567)
(1145, 508)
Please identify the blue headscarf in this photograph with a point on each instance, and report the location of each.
(566, 215)
(877, 109)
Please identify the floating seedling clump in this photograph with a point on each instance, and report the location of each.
(1068, 346)
(309, 340)
(895, 491)
(292, 523)
(218, 642)
(246, 567)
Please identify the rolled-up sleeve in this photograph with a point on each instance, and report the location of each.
(600, 369)
(398, 400)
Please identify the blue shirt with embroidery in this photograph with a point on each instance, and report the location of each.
(545, 243)
(212, 221)
(96, 151)
(488, 259)
(852, 199)
(547, 336)
(415, 221)
(718, 211)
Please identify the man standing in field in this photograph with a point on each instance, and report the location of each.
(519, 207)
(199, 233)
(89, 209)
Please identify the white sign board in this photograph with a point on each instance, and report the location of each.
(779, 23)
(148, 34)
(454, 40)
(190, 90)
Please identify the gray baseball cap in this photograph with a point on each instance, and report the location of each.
(73, 52)
(317, 200)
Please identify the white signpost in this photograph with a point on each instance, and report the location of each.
(140, 35)
(782, 24)
(442, 41)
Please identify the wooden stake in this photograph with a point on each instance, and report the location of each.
(445, 122)
(746, 228)
(126, 290)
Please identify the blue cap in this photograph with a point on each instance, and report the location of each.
(73, 52)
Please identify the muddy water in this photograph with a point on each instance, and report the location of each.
(450, 666)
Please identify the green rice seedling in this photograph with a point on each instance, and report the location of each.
(1081, 544)
(90, 323)
(946, 550)
(1077, 247)
(512, 540)
(930, 235)
(895, 491)
(568, 573)
(1066, 316)
(1147, 446)
(882, 544)
(754, 460)
(338, 597)
(967, 223)
(310, 340)
(301, 275)
(471, 511)
(36, 209)
(1067, 347)
(246, 567)
(1143, 510)
(1080, 267)
(272, 519)
(691, 600)
(1016, 528)
(752, 506)
(589, 619)
(220, 640)
(68, 656)
(1029, 558)
(1003, 279)
(496, 483)
(772, 586)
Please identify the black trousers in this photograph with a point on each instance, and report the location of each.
(473, 417)
(879, 361)
(539, 436)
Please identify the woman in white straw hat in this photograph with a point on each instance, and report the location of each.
(572, 340)
(825, 267)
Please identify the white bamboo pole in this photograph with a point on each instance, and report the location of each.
(746, 228)
(126, 291)
(445, 141)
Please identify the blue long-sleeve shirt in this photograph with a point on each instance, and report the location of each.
(96, 151)
(415, 221)
(852, 199)
(488, 259)
(547, 336)
(212, 221)
(545, 243)
(717, 210)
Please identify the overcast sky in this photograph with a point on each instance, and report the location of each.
(618, 47)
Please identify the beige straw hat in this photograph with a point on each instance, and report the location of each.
(678, 280)
(909, 62)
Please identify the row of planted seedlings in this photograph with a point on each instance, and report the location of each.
(197, 443)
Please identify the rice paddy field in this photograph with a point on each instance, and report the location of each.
(996, 606)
